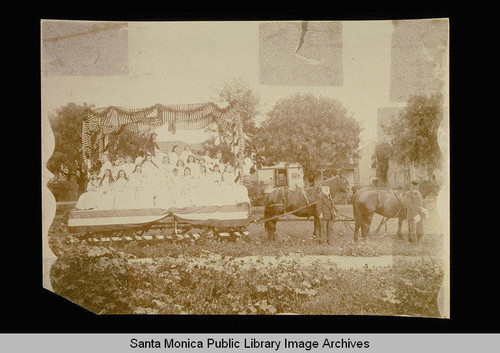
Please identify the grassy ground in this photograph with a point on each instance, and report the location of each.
(211, 277)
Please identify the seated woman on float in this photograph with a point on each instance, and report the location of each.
(106, 198)
(89, 199)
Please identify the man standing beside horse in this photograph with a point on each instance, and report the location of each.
(414, 203)
(327, 212)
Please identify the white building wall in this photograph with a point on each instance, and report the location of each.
(366, 173)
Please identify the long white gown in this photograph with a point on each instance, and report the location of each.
(128, 168)
(195, 169)
(188, 191)
(184, 156)
(135, 184)
(106, 198)
(123, 196)
(89, 199)
(174, 157)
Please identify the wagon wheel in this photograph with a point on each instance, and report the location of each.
(139, 232)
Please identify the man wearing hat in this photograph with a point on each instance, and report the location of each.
(327, 212)
(414, 203)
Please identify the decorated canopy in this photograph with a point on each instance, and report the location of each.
(101, 122)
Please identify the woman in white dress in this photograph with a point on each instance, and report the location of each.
(106, 197)
(188, 192)
(123, 196)
(209, 162)
(207, 188)
(136, 189)
(193, 166)
(165, 172)
(89, 199)
(180, 165)
(202, 163)
(216, 175)
(218, 160)
(149, 167)
(165, 183)
(174, 155)
(117, 166)
(129, 165)
(106, 165)
(213, 186)
(175, 187)
(186, 153)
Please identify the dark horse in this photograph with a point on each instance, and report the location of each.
(283, 200)
(387, 203)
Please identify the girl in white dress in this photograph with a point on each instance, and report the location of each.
(188, 186)
(193, 166)
(106, 197)
(165, 167)
(117, 166)
(149, 167)
(175, 187)
(180, 165)
(128, 166)
(163, 197)
(214, 186)
(202, 163)
(218, 160)
(106, 165)
(123, 198)
(206, 190)
(216, 175)
(174, 155)
(209, 162)
(186, 153)
(136, 189)
(89, 199)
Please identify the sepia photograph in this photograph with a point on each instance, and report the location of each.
(247, 167)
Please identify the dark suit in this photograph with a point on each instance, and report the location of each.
(325, 207)
(414, 202)
(150, 147)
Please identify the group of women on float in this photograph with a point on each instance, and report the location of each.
(178, 180)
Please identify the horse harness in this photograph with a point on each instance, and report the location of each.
(283, 196)
(399, 196)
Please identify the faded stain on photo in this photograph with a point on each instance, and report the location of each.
(84, 48)
(418, 58)
(301, 53)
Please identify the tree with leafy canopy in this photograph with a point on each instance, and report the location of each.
(313, 132)
(123, 143)
(67, 157)
(234, 92)
(413, 133)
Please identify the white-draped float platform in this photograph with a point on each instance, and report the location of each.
(228, 216)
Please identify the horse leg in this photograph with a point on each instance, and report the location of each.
(271, 229)
(357, 223)
(400, 226)
(272, 234)
(268, 225)
(365, 226)
(316, 227)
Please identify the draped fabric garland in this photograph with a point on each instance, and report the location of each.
(104, 121)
